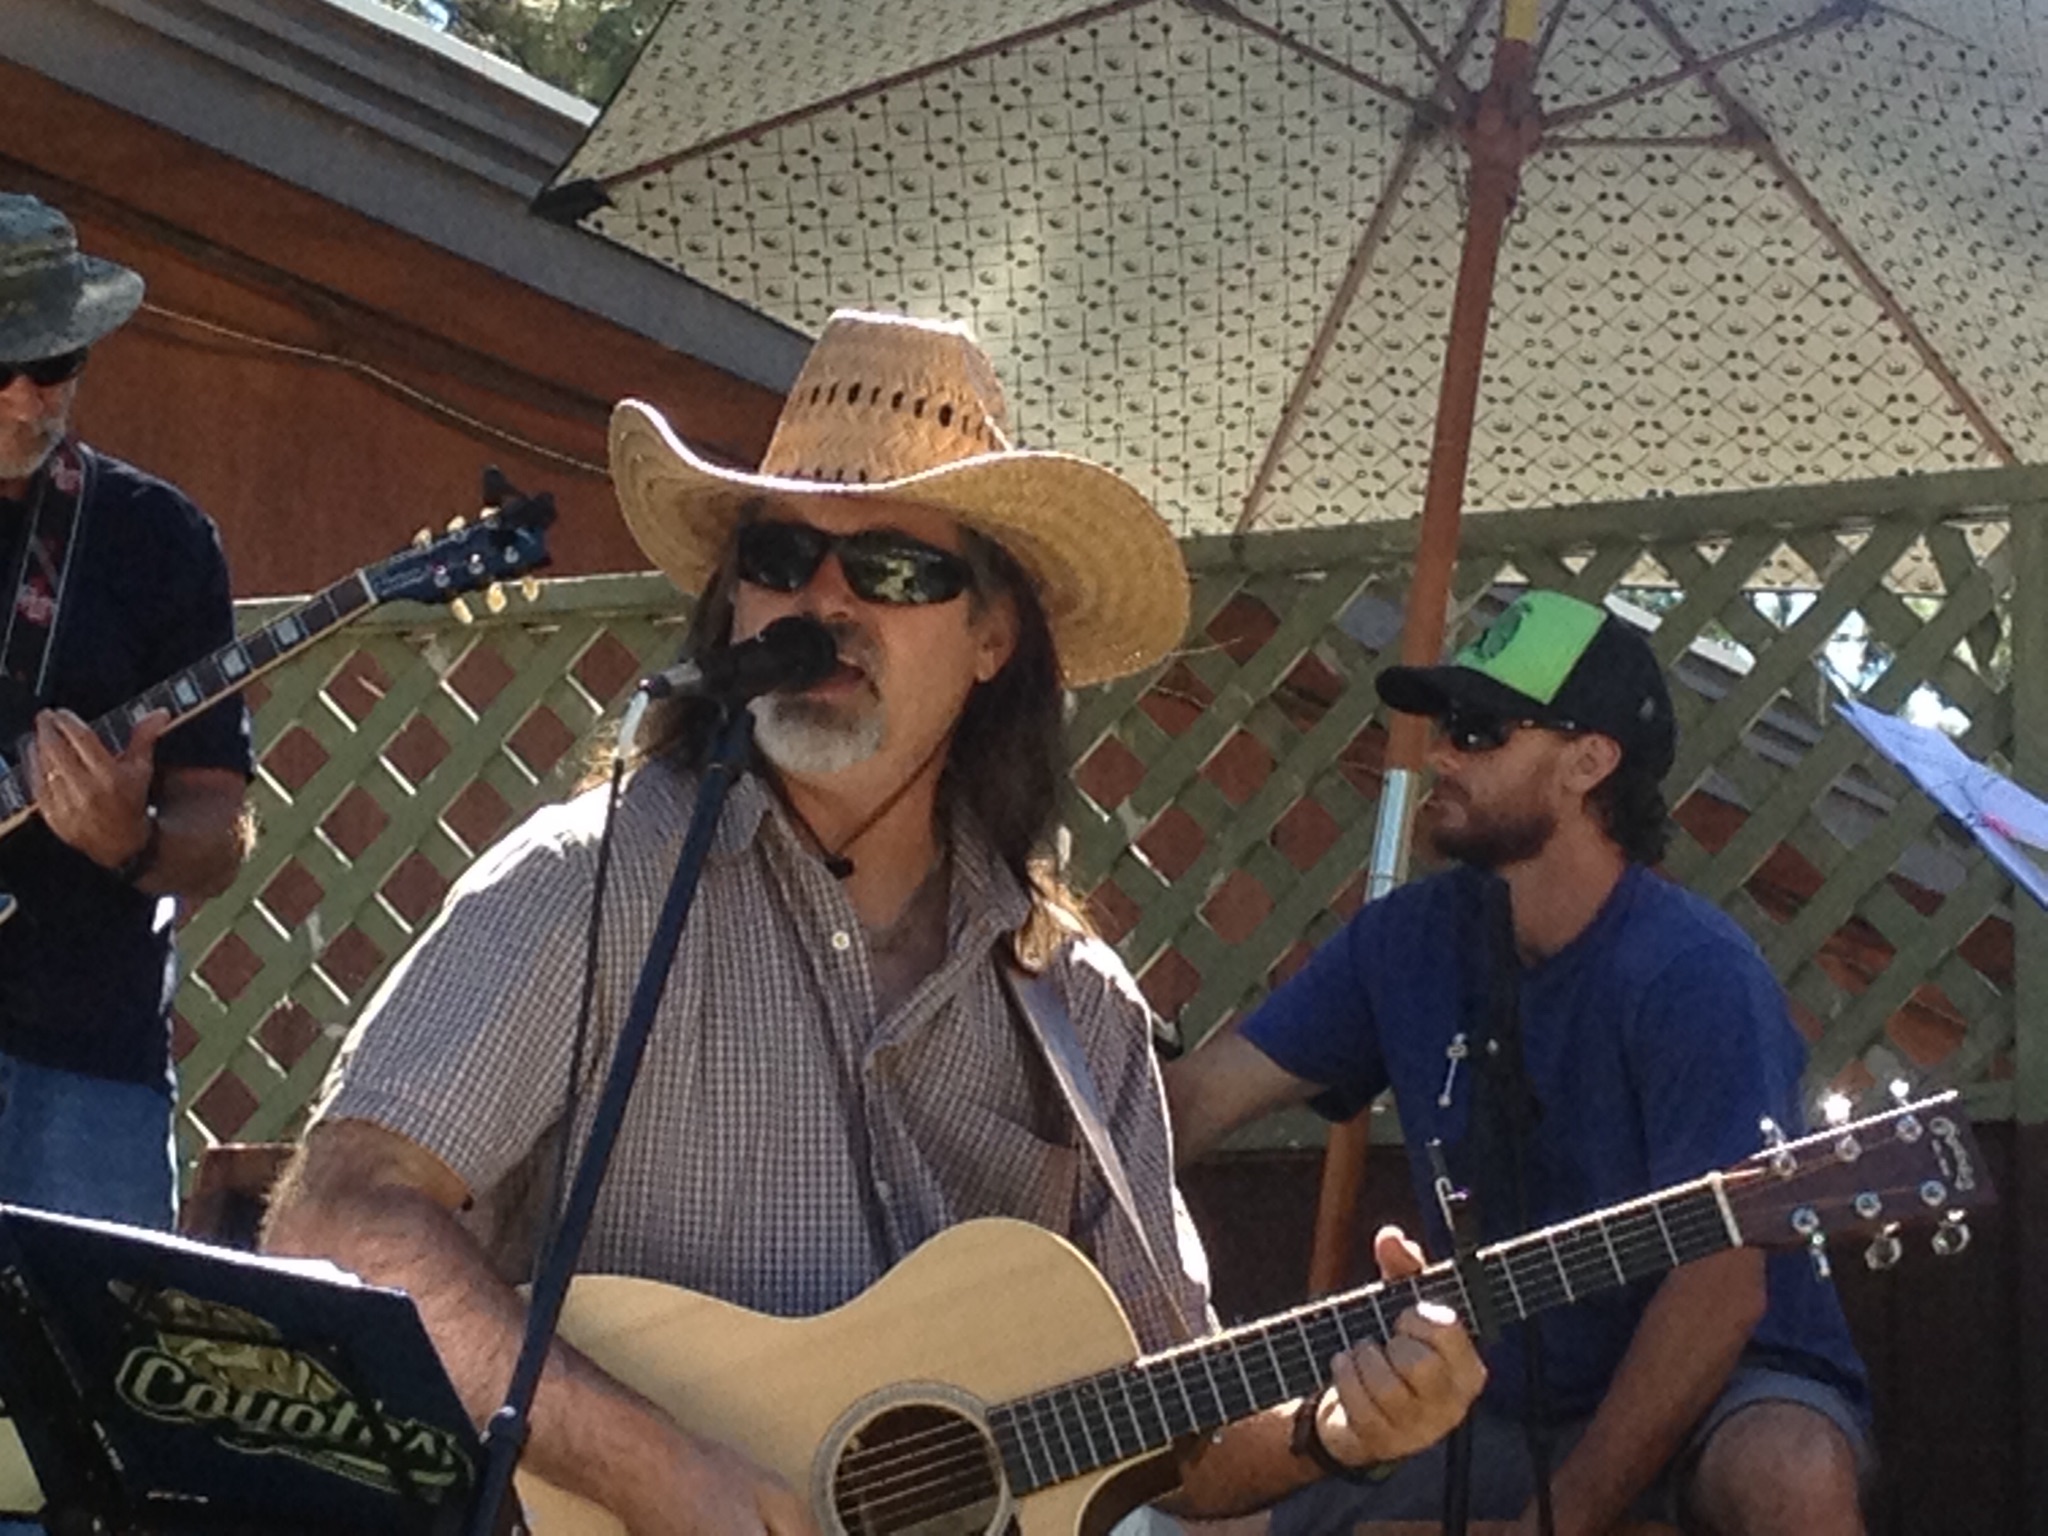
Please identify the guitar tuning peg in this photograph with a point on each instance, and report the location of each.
(1900, 1090)
(1952, 1236)
(1783, 1163)
(529, 588)
(1817, 1250)
(1885, 1249)
(457, 524)
(1837, 1109)
(494, 598)
(422, 539)
(460, 609)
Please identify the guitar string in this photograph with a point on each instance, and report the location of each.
(1645, 1241)
(967, 1450)
(108, 727)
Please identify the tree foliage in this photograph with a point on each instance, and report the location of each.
(583, 46)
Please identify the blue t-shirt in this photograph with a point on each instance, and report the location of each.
(87, 972)
(1655, 1042)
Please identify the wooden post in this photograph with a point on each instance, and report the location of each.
(1499, 136)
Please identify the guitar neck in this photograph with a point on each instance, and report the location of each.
(208, 680)
(1084, 1426)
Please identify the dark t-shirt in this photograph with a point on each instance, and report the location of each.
(1655, 1042)
(87, 970)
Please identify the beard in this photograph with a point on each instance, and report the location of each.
(28, 449)
(1493, 841)
(816, 738)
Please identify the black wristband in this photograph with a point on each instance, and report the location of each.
(144, 858)
(1306, 1441)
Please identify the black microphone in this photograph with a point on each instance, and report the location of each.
(790, 653)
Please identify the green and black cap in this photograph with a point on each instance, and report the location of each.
(1559, 662)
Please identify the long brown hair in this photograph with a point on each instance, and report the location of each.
(1004, 765)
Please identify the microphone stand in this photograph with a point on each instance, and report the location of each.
(506, 1435)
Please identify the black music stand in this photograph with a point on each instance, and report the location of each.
(164, 1388)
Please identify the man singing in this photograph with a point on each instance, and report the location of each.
(837, 1072)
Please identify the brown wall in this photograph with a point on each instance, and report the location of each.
(310, 467)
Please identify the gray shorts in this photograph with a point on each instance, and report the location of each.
(1503, 1485)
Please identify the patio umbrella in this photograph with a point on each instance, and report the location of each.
(1305, 263)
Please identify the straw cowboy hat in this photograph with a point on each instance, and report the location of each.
(910, 410)
(53, 298)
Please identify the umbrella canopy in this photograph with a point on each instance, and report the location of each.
(1213, 242)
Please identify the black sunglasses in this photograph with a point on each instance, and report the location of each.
(881, 565)
(45, 371)
(1471, 732)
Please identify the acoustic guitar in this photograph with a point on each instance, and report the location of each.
(507, 541)
(991, 1384)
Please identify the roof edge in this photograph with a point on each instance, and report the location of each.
(380, 114)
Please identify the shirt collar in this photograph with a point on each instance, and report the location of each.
(980, 878)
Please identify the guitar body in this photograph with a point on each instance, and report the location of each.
(985, 1312)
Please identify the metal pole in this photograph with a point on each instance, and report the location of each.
(2026, 1204)
(1499, 135)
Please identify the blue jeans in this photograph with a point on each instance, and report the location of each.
(85, 1147)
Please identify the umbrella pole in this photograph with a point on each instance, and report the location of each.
(1499, 136)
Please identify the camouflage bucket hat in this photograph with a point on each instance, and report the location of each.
(53, 297)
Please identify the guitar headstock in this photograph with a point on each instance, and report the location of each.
(1917, 1162)
(507, 541)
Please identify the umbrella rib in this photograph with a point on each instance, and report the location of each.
(1551, 24)
(1840, 13)
(832, 103)
(1757, 139)
(1223, 10)
(1347, 291)
(1447, 81)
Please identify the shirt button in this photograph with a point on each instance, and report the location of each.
(842, 940)
(882, 1190)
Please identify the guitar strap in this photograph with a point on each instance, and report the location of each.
(1045, 1012)
(41, 575)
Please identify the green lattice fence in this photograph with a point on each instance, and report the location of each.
(1224, 805)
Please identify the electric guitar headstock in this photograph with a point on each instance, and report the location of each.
(506, 542)
(1913, 1163)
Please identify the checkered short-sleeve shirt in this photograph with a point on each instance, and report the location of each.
(783, 1145)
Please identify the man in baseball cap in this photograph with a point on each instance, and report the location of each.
(1653, 1039)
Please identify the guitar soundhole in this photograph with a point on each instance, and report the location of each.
(917, 1470)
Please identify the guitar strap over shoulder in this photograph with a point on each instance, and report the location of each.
(1045, 1012)
(42, 567)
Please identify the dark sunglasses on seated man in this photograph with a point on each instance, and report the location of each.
(45, 371)
(881, 565)
(1474, 731)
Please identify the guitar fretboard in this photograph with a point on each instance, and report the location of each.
(1082, 1426)
(206, 681)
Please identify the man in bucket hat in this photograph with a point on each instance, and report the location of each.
(114, 581)
(837, 1074)
(1727, 1396)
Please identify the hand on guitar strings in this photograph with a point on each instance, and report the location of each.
(724, 1494)
(94, 801)
(1394, 1401)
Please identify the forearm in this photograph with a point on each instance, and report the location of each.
(201, 842)
(1247, 1467)
(590, 1435)
(1688, 1342)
